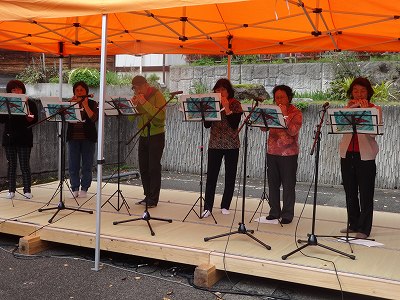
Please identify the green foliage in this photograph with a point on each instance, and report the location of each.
(315, 95)
(278, 61)
(204, 61)
(125, 79)
(245, 85)
(112, 78)
(199, 88)
(338, 88)
(153, 80)
(386, 57)
(301, 105)
(33, 74)
(90, 76)
(385, 92)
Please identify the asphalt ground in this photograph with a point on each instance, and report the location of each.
(65, 272)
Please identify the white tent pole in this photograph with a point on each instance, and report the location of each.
(100, 137)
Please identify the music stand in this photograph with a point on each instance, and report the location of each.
(201, 107)
(242, 227)
(312, 237)
(146, 215)
(265, 116)
(354, 121)
(61, 112)
(14, 104)
(119, 106)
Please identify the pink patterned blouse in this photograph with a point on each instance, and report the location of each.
(284, 142)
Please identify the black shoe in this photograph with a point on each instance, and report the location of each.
(269, 217)
(141, 202)
(286, 221)
(151, 204)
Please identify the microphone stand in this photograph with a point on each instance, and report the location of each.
(200, 198)
(264, 196)
(242, 227)
(312, 237)
(146, 215)
(61, 204)
(118, 192)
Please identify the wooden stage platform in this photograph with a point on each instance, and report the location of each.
(375, 271)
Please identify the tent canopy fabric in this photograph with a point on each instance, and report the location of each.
(210, 27)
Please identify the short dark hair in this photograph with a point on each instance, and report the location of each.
(13, 84)
(363, 82)
(288, 90)
(225, 83)
(138, 80)
(82, 84)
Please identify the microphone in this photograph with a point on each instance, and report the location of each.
(257, 98)
(84, 96)
(325, 106)
(173, 94)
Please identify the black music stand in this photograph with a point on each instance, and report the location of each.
(242, 227)
(12, 104)
(61, 112)
(354, 121)
(119, 106)
(312, 237)
(266, 116)
(146, 215)
(203, 108)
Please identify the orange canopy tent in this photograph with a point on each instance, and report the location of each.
(200, 27)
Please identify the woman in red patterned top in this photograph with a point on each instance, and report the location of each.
(282, 154)
(224, 143)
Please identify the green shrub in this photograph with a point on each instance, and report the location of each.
(338, 88)
(385, 92)
(301, 105)
(32, 74)
(315, 95)
(199, 88)
(90, 76)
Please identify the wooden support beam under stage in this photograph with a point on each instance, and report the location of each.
(31, 245)
(206, 275)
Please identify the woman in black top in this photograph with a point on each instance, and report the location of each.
(224, 143)
(82, 138)
(18, 141)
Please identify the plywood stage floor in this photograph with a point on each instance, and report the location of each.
(375, 271)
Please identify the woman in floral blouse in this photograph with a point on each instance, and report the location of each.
(224, 143)
(282, 154)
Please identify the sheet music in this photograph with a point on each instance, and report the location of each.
(53, 105)
(16, 104)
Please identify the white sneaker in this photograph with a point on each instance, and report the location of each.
(206, 214)
(28, 195)
(225, 211)
(10, 195)
(82, 194)
(74, 195)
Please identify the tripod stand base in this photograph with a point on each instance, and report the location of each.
(312, 241)
(200, 214)
(61, 206)
(242, 229)
(145, 217)
(119, 206)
